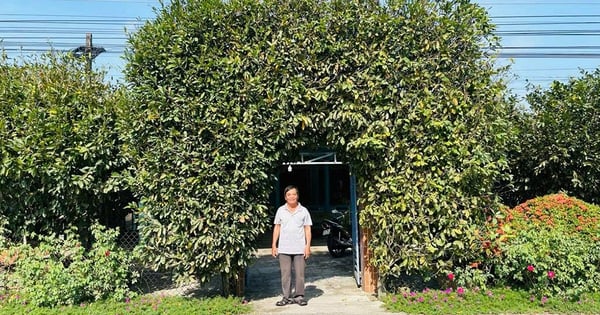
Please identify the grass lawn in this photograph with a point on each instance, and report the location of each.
(494, 301)
(144, 305)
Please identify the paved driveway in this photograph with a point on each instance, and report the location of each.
(330, 286)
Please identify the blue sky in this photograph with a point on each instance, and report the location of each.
(64, 24)
(570, 28)
(567, 30)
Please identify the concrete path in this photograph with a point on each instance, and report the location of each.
(330, 286)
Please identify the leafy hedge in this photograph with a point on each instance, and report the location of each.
(226, 90)
(58, 145)
(558, 148)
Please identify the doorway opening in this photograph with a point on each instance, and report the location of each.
(325, 185)
(322, 188)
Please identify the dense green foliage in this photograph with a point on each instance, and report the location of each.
(434, 144)
(60, 271)
(547, 245)
(225, 90)
(144, 305)
(558, 148)
(58, 145)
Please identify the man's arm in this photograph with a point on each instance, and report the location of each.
(308, 236)
(276, 231)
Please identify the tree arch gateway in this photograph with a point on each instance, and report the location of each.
(225, 91)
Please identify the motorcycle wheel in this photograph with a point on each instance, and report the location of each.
(334, 247)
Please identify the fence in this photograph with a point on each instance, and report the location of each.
(161, 282)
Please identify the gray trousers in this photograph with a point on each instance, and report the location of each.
(285, 265)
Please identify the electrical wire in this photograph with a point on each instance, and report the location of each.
(35, 33)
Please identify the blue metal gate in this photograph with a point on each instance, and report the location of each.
(355, 232)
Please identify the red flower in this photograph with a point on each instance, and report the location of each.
(451, 276)
(107, 253)
(551, 274)
(530, 268)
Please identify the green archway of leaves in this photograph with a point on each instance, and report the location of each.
(224, 90)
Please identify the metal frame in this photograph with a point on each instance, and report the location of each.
(318, 158)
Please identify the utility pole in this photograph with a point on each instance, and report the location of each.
(89, 52)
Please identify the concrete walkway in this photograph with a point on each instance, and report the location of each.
(330, 286)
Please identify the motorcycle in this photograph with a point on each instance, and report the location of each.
(338, 237)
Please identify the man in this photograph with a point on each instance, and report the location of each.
(292, 230)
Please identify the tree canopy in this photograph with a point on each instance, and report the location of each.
(559, 141)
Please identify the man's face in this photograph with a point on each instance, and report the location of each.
(291, 196)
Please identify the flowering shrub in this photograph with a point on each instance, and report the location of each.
(548, 245)
(60, 271)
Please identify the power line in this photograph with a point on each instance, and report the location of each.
(35, 33)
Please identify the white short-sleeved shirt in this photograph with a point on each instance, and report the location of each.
(292, 239)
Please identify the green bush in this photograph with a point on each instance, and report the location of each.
(60, 271)
(558, 147)
(548, 245)
(471, 276)
(58, 144)
(550, 262)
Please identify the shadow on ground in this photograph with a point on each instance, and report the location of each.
(263, 276)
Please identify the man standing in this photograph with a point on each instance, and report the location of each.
(292, 229)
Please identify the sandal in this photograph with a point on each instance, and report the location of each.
(300, 300)
(284, 301)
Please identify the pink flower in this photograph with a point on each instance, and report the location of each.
(460, 291)
(530, 268)
(451, 276)
(551, 274)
